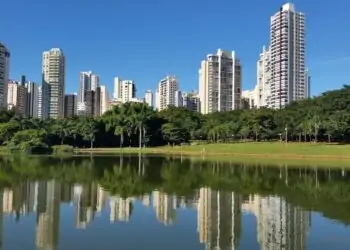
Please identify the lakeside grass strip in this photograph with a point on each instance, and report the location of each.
(282, 151)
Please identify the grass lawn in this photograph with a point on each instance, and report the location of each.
(249, 149)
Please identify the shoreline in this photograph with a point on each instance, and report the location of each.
(177, 152)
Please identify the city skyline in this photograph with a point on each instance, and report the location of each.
(249, 72)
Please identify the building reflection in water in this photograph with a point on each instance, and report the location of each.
(165, 206)
(279, 224)
(219, 213)
(48, 196)
(219, 219)
(120, 208)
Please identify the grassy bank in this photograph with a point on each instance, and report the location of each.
(252, 150)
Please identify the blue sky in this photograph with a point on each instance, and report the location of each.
(144, 40)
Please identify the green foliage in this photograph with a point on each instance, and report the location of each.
(62, 149)
(30, 140)
(323, 118)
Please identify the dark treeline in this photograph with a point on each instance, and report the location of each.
(323, 118)
(324, 190)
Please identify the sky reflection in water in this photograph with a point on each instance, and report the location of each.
(158, 203)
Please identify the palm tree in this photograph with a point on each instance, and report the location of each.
(140, 114)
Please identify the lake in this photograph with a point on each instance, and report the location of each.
(131, 202)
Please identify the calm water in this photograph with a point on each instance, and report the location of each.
(105, 202)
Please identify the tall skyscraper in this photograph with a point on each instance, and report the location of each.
(70, 105)
(32, 105)
(95, 82)
(92, 103)
(4, 74)
(149, 98)
(287, 48)
(53, 85)
(87, 81)
(40, 102)
(179, 101)
(307, 84)
(166, 92)
(104, 99)
(124, 90)
(262, 90)
(220, 82)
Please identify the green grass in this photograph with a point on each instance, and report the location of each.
(249, 149)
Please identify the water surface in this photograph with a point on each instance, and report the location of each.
(170, 203)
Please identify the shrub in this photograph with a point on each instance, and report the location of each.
(62, 149)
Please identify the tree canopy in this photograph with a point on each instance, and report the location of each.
(322, 118)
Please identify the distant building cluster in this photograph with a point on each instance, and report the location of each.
(282, 77)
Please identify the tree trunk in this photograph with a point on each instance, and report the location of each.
(140, 136)
(329, 138)
(62, 139)
(316, 135)
(300, 137)
(91, 143)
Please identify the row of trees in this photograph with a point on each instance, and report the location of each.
(323, 118)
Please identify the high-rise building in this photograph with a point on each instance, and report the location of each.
(17, 97)
(95, 82)
(179, 100)
(287, 48)
(87, 81)
(4, 74)
(12, 94)
(84, 85)
(40, 102)
(307, 84)
(220, 82)
(149, 98)
(124, 90)
(32, 104)
(70, 105)
(191, 101)
(97, 103)
(93, 103)
(262, 89)
(53, 85)
(104, 99)
(166, 92)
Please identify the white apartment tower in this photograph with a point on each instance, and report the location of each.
(166, 92)
(104, 99)
(149, 98)
(287, 48)
(4, 74)
(262, 89)
(220, 82)
(53, 85)
(17, 97)
(95, 82)
(12, 94)
(124, 90)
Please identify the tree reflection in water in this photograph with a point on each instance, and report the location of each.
(280, 197)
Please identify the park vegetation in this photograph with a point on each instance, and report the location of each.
(325, 118)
